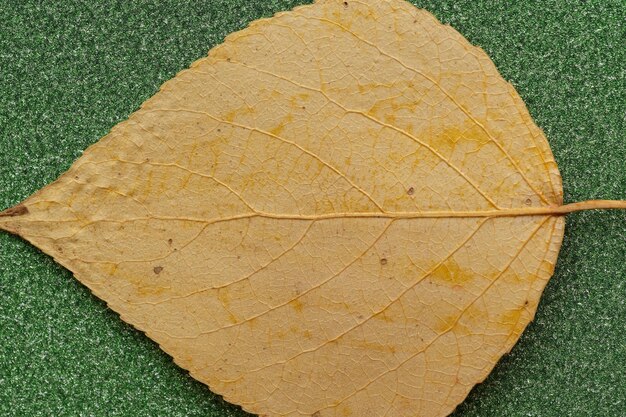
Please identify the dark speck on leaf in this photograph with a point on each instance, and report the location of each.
(18, 210)
(383, 261)
(410, 191)
(157, 269)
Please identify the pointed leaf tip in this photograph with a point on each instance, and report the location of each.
(18, 210)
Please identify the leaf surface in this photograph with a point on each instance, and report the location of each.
(343, 210)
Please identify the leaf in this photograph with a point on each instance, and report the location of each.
(342, 210)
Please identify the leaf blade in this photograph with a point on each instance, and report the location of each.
(241, 184)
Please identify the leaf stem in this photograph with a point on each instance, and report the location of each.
(590, 205)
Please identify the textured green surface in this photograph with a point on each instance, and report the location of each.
(69, 72)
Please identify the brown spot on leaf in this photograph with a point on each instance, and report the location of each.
(157, 269)
(18, 210)
(410, 191)
(383, 261)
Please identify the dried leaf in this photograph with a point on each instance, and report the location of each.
(342, 211)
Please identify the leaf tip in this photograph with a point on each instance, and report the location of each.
(18, 210)
(6, 217)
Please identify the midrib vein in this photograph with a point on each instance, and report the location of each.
(512, 212)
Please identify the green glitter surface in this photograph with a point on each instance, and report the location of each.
(69, 71)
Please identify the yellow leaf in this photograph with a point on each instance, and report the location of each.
(343, 210)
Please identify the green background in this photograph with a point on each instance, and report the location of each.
(70, 71)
